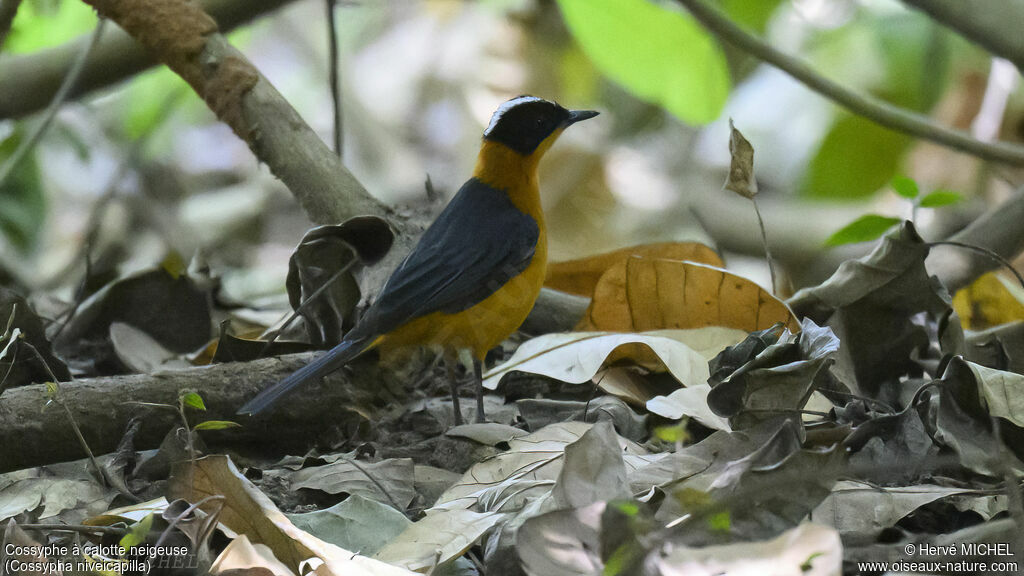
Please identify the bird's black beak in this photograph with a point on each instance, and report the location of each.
(578, 115)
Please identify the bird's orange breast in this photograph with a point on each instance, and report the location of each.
(483, 326)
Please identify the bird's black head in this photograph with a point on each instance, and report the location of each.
(524, 122)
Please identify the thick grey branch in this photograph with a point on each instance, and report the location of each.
(28, 82)
(102, 407)
(992, 24)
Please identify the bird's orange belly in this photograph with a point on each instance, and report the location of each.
(482, 326)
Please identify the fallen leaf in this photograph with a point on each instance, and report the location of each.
(395, 475)
(582, 275)
(593, 470)
(870, 304)
(990, 300)
(249, 512)
(1003, 392)
(526, 470)
(807, 550)
(241, 554)
(487, 433)
(562, 542)
(141, 352)
(438, 538)
(691, 401)
(575, 357)
(356, 523)
(643, 294)
(860, 507)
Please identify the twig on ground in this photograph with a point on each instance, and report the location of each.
(56, 397)
(878, 111)
(80, 528)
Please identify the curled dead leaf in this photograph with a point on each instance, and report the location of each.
(581, 276)
(642, 294)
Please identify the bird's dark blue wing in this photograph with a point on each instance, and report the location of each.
(478, 243)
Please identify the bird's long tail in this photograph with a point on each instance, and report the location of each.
(335, 358)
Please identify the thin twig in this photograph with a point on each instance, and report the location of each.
(767, 249)
(878, 111)
(982, 250)
(189, 510)
(302, 306)
(8, 9)
(101, 475)
(51, 112)
(334, 75)
(80, 528)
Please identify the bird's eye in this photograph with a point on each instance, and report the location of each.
(540, 121)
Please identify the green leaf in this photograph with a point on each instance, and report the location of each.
(45, 24)
(940, 198)
(720, 522)
(193, 400)
(863, 229)
(216, 425)
(137, 533)
(660, 55)
(675, 433)
(752, 14)
(856, 159)
(905, 187)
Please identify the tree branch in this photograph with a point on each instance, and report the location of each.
(992, 24)
(28, 82)
(186, 38)
(103, 406)
(878, 111)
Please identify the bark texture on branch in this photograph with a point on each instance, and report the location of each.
(186, 38)
(992, 24)
(28, 82)
(33, 436)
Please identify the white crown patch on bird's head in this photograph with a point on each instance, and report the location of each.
(525, 121)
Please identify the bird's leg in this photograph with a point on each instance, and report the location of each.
(478, 375)
(450, 361)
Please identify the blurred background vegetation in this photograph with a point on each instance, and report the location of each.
(135, 171)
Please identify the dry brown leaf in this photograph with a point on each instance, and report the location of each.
(248, 511)
(581, 276)
(643, 294)
(991, 300)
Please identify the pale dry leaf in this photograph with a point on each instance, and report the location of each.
(576, 357)
(247, 511)
(240, 554)
(741, 178)
(439, 537)
(807, 550)
(691, 401)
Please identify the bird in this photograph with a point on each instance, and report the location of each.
(475, 273)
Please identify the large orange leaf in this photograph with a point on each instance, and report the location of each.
(656, 293)
(581, 276)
